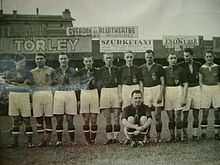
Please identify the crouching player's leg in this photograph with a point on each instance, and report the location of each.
(135, 132)
(130, 128)
(146, 125)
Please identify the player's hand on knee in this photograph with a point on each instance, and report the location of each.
(141, 128)
(136, 132)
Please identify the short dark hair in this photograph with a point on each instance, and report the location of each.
(87, 56)
(108, 53)
(171, 53)
(41, 54)
(150, 51)
(188, 50)
(209, 51)
(128, 52)
(137, 91)
(62, 53)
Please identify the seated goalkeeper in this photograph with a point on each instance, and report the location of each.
(137, 119)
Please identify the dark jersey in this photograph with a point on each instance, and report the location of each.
(129, 75)
(175, 76)
(210, 74)
(152, 76)
(68, 80)
(136, 112)
(192, 72)
(108, 77)
(88, 78)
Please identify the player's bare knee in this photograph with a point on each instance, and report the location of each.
(59, 120)
(27, 121)
(143, 120)
(40, 120)
(205, 113)
(108, 117)
(86, 119)
(117, 119)
(70, 118)
(131, 119)
(16, 120)
(48, 122)
(93, 119)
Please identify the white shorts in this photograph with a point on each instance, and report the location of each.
(19, 104)
(42, 103)
(65, 103)
(109, 98)
(126, 94)
(210, 95)
(193, 98)
(89, 101)
(151, 95)
(173, 96)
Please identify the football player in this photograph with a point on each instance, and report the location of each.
(193, 98)
(43, 79)
(175, 96)
(89, 99)
(109, 99)
(19, 100)
(153, 87)
(136, 119)
(210, 93)
(129, 78)
(65, 101)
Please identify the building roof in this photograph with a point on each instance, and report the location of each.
(10, 17)
(65, 16)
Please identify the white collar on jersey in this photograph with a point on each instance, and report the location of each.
(209, 66)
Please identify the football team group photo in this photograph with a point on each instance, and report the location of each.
(127, 95)
(109, 82)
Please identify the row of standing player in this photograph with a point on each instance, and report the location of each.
(188, 82)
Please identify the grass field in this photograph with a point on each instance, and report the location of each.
(192, 153)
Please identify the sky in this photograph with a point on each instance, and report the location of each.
(154, 18)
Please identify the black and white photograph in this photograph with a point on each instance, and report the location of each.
(110, 82)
